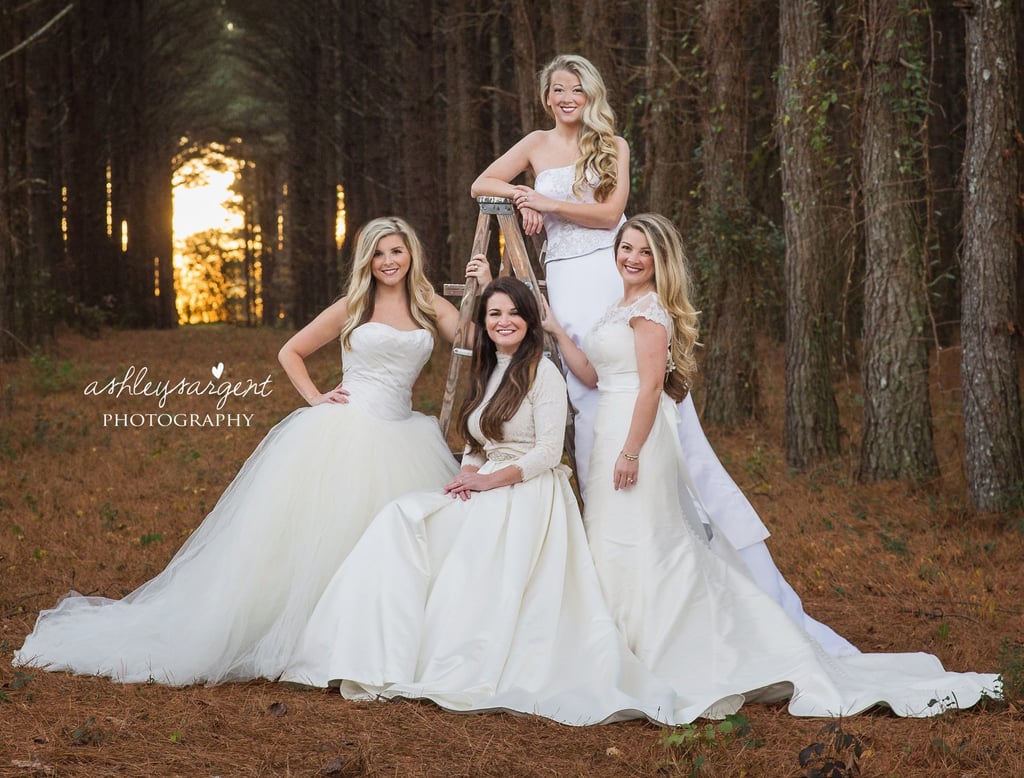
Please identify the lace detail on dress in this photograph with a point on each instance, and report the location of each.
(648, 307)
(567, 239)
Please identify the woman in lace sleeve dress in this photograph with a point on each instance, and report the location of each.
(688, 611)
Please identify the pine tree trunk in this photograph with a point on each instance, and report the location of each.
(990, 326)
(730, 384)
(812, 417)
(462, 132)
(89, 247)
(897, 436)
(668, 113)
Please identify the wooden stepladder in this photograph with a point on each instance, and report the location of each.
(515, 260)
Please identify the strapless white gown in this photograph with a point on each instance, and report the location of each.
(582, 281)
(696, 620)
(232, 602)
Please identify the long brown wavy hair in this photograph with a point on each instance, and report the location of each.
(521, 371)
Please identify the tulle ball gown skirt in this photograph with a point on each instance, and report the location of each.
(232, 602)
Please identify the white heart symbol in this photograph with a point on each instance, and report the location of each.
(217, 370)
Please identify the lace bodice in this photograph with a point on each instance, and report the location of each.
(565, 238)
(610, 345)
(381, 367)
(535, 435)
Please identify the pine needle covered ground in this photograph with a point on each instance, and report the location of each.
(101, 509)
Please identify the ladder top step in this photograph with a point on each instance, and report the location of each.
(457, 290)
(495, 205)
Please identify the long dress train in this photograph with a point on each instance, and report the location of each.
(582, 282)
(697, 621)
(232, 602)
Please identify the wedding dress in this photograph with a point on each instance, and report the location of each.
(486, 604)
(582, 281)
(232, 602)
(694, 617)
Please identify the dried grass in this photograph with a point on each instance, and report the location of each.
(893, 567)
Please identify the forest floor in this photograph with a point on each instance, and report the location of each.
(893, 567)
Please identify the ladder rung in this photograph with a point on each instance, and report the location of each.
(457, 290)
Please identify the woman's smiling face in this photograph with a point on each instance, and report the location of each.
(634, 259)
(505, 327)
(391, 260)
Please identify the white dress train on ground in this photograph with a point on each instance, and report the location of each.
(232, 602)
(696, 620)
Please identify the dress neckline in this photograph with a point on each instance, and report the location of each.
(623, 305)
(552, 169)
(389, 326)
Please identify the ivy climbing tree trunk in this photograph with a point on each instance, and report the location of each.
(729, 271)
(897, 436)
(990, 329)
(812, 417)
(668, 113)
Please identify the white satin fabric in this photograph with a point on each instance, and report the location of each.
(580, 289)
(232, 602)
(693, 616)
(496, 603)
(487, 604)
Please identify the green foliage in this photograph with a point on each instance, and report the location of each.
(50, 377)
(7, 444)
(151, 537)
(89, 320)
(835, 755)
(810, 100)
(17, 685)
(756, 465)
(60, 434)
(1011, 670)
(87, 733)
(692, 746)
(894, 544)
(111, 518)
(428, 404)
(910, 102)
(733, 243)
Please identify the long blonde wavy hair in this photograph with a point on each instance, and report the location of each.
(597, 132)
(672, 283)
(362, 286)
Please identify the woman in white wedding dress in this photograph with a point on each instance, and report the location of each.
(233, 600)
(691, 615)
(581, 186)
(483, 595)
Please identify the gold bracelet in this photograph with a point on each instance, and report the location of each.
(631, 457)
